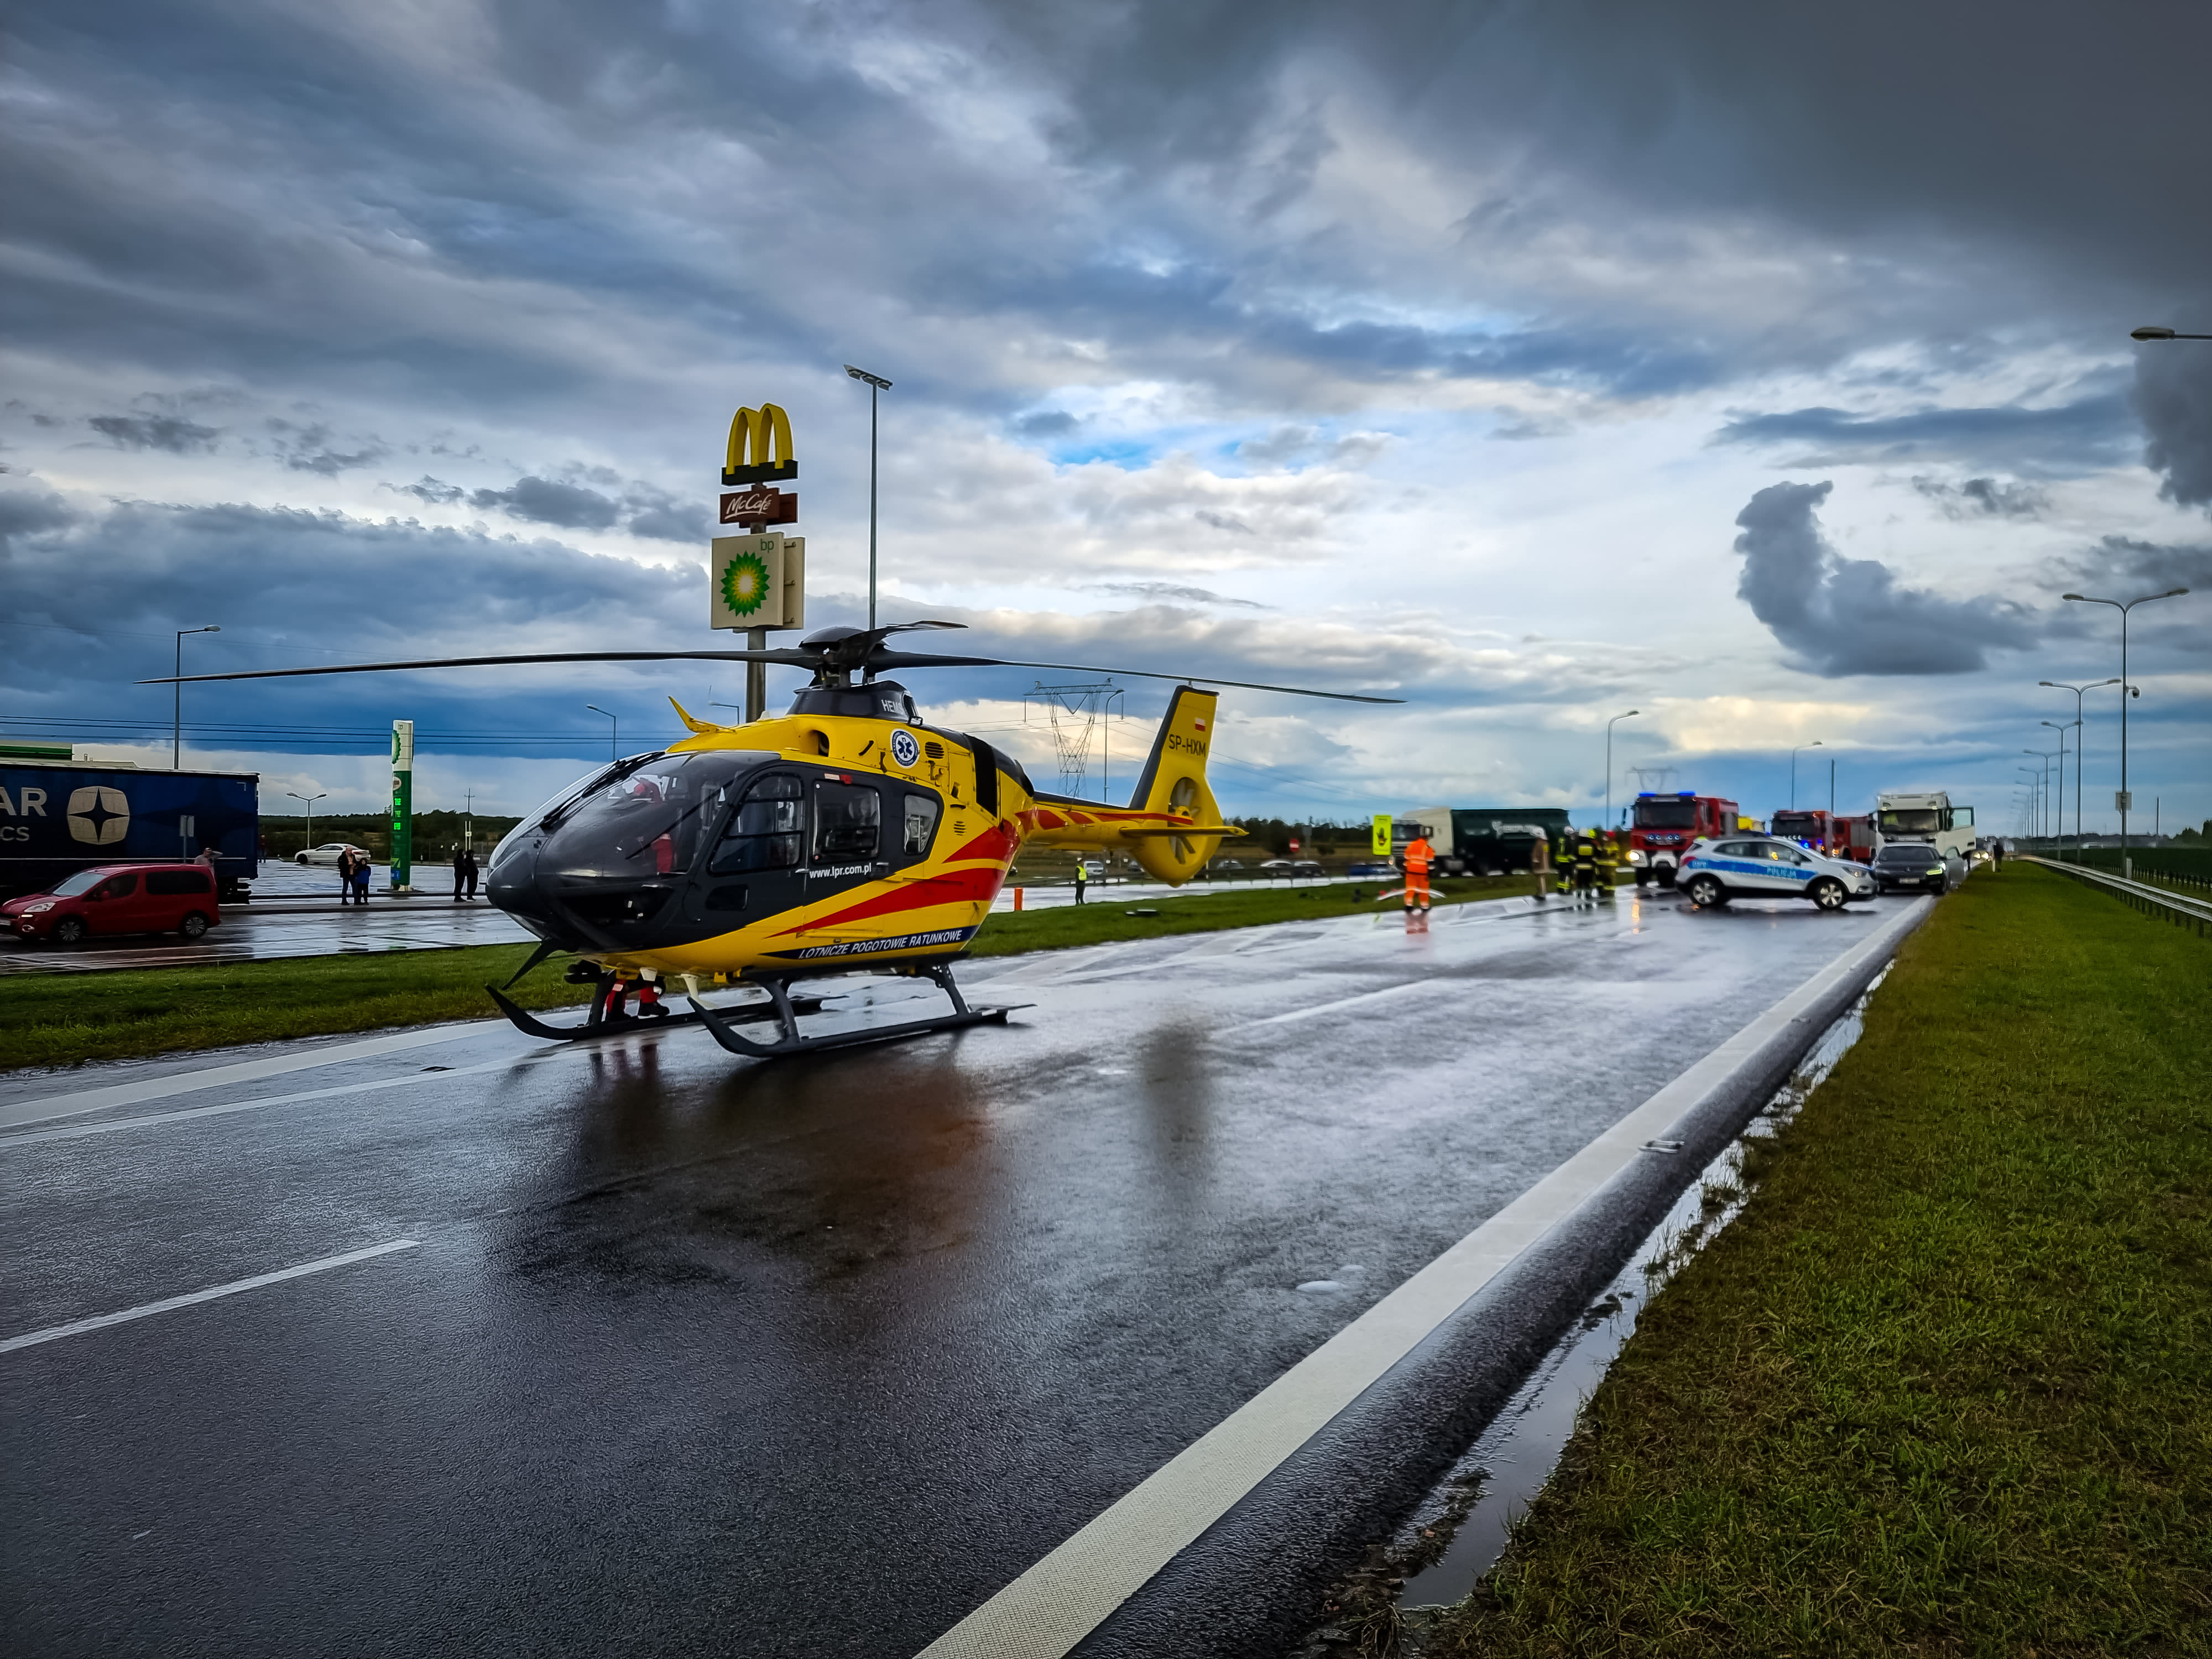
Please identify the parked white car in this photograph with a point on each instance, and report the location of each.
(329, 852)
(1765, 867)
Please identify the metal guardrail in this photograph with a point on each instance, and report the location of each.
(2151, 901)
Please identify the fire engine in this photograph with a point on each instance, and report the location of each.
(1663, 828)
(1817, 832)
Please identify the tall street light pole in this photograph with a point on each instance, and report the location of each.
(2043, 801)
(876, 384)
(311, 800)
(2126, 690)
(1815, 744)
(2059, 813)
(614, 735)
(2081, 743)
(177, 727)
(2156, 333)
(1609, 725)
(2034, 799)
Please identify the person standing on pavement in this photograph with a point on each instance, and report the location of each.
(1418, 856)
(362, 864)
(460, 871)
(345, 876)
(1585, 867)
(1082, 878)
(1997, 855)
(469, 853)
(1540, 865)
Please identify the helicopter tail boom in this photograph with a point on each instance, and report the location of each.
(1172, 824)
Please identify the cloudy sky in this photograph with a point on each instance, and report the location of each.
(1763, 369)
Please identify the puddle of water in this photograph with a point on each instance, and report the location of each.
(1491, 1486)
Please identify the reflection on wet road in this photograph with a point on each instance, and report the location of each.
(694, 1355)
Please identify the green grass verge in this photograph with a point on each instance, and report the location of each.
(1946, 1386)
(64, 1019)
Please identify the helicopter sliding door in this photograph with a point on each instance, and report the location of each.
(758, 865)
(848, 838)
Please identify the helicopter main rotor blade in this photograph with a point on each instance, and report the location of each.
(883, 659)
(791, 658)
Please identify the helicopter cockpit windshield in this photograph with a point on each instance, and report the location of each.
(643, 819)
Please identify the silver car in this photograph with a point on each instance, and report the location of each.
(1765, 867)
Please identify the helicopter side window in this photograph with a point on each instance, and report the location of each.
(921, 823)
(846, 816)
(767, 832)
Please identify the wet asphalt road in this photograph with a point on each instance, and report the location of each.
(697, 1355)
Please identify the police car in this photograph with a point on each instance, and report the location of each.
(1717, 870)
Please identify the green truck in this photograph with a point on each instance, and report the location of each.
(1481, 841)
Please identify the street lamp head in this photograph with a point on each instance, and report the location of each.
(2083, 597)
(875, 380)
(2153, 331)
(2170, 594)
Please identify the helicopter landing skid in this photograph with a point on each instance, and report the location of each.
(785, 1010)
(600, 1023)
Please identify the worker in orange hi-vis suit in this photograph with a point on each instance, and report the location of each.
(1418, 856)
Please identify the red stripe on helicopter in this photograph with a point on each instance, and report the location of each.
(955, 887)
(994, 843)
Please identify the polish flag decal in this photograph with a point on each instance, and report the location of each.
(1199, 725)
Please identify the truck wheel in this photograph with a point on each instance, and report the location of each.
(70, 930)
(194, 926)
(1706, 893)
(1666, 878)
(1828, 894)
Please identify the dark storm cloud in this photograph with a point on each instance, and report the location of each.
(288, 588)
(2173, 394)
(2125, 567)
(173, 432)
(2053, 144)
(1168, 593)
(1842, 615)
(1983, 498)
(541, 500)
(641, 510)
(2076, 437)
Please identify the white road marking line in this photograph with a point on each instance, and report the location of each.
(244, 1071)
(78, 1328)
(1064, 1597)
(111, 1126)
(1330, 1008)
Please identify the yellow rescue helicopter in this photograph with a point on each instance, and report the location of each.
(845, 834)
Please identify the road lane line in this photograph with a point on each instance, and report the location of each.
(1330, 1008)
(244, 1071)
(1051, 1607)
(78, 1328)
(111, 1126)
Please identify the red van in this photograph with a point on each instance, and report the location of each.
(118, 898)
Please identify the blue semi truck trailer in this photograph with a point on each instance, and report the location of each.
(58, 815)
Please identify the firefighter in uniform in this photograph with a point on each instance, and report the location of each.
(1418, 856)
(1585, 854)
(1608, 859)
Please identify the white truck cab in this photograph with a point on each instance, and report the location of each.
(1925, 816)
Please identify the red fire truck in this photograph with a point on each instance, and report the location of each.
(1818, 832)
(1662, 826)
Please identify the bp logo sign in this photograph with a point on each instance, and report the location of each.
(904, 750)
(99, 816)
(744, 584)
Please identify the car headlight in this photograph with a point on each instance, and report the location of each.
(38, 909)
(1635, 855)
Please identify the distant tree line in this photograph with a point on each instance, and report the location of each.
(436, 833)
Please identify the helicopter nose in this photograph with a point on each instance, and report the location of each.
(515, 886)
